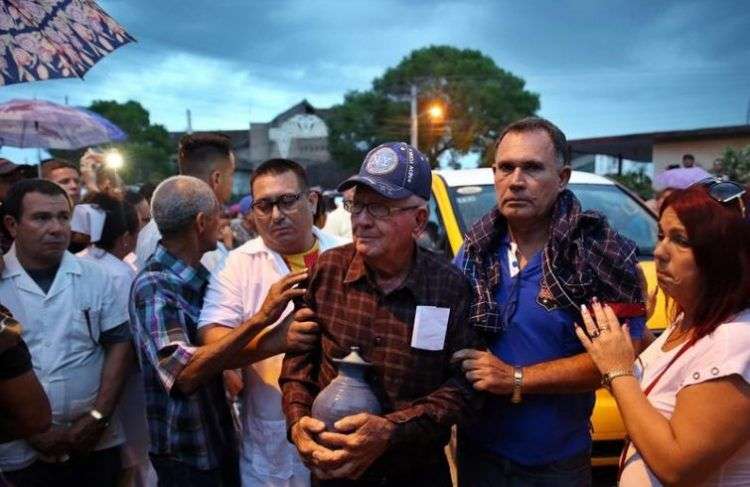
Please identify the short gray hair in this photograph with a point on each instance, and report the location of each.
(178, 200)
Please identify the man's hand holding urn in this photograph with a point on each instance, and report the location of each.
(359, 440)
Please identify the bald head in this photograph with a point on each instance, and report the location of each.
(178, 200)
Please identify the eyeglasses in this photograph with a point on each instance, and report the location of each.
(287, 203)
(724, 191)
(376, 210)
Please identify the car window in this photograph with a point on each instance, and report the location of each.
(472, 202)
(434, 237)
(624, 213)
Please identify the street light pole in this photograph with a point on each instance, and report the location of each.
(414, 121)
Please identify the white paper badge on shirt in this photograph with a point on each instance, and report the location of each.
(430, 325)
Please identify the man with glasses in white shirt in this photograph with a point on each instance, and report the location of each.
(283, 209)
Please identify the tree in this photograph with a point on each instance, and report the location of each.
(478, 97)
(735, 164)
(148, 148)
(638, 182)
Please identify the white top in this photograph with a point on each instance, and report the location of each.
(215, 259)
(67, 358)
(725, 352)
(339, 223)
(149, 237)
(234, 294)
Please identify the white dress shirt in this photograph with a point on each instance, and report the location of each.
(234, 294)
(64, 346)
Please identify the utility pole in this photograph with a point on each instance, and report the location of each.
(249, 136)
(414, 120)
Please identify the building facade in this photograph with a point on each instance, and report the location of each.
(299, 133)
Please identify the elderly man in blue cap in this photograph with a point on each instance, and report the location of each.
(407, 311)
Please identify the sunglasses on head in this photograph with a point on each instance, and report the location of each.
(724, 191)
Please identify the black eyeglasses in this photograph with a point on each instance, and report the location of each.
(287, 203)
(376, 210)
(724, 191)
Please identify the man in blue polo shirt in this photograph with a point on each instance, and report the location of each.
(533, 261)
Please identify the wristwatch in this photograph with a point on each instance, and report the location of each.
(99, 417)
(515, 398)
(609, 376)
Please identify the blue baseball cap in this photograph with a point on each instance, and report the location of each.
(246, 204)
(394, 170)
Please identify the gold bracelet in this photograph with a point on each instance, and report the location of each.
(610, 376)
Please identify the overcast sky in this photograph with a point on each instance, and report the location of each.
(601, 68)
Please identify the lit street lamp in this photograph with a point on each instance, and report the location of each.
(436, 112)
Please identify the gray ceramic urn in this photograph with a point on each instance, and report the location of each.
(347, 394)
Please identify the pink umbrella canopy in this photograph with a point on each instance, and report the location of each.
(44, 39)
(43, 124)
(679, 178)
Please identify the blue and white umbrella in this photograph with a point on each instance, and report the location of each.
(47, 125)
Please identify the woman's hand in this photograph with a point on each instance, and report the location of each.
(608, 343)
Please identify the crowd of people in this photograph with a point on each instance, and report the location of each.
(158, 337)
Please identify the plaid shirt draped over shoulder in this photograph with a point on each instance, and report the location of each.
(583, 258)
(166, 299)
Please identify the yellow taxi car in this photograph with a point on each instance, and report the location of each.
(461, 197)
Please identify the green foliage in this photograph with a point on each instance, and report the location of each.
(479, 99)
(735, 164)
(148, 149)
(638, 182)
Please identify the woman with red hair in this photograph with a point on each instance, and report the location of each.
(686, 401)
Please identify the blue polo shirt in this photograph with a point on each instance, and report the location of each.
(543, 428)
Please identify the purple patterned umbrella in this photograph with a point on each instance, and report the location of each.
(44, 39)
(43, 124)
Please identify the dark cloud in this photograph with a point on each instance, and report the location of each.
(600, 67)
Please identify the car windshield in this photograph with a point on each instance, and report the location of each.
(624, 213)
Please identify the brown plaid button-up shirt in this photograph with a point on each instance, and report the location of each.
(419, 390)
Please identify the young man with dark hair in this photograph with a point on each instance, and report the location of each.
(77, 336)
(208, 157)
(64, 173)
